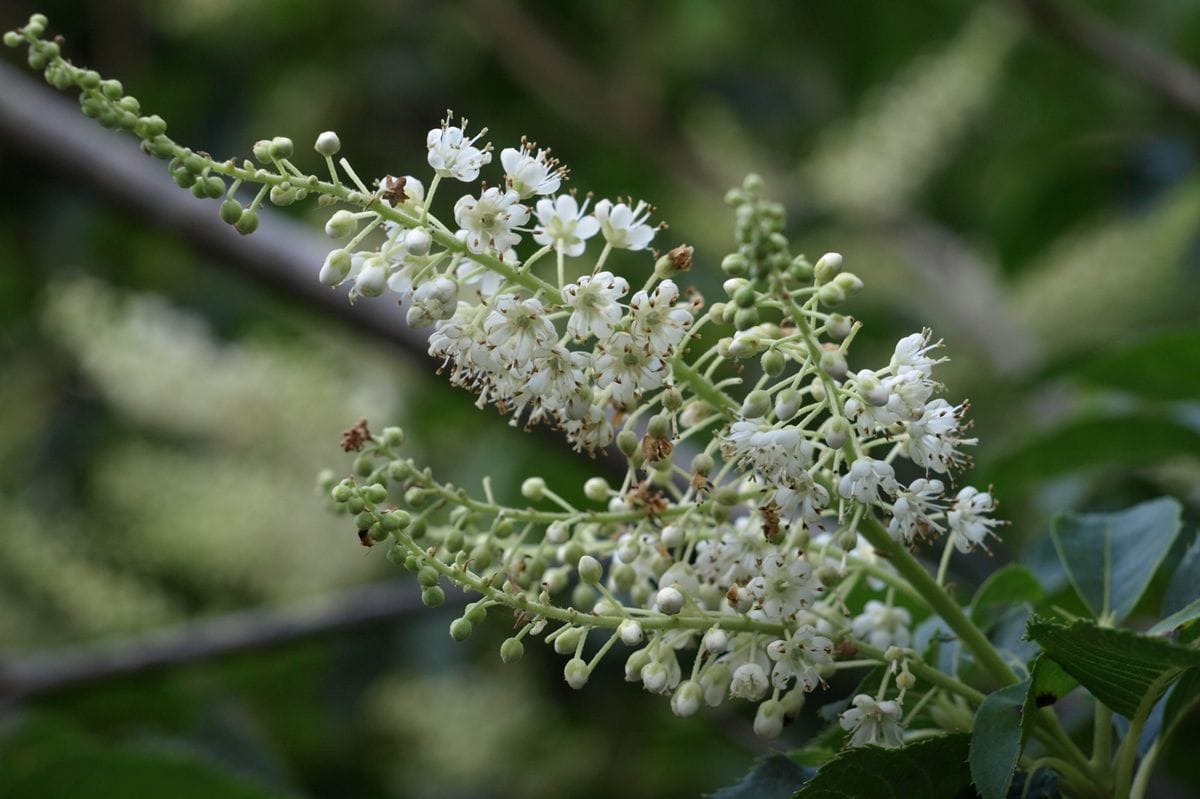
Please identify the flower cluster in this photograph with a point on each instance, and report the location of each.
(741, 530)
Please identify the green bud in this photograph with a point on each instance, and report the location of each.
(377, 492)
(184, 179)
(130, 104)
(596, 489)
(735, 264)
(194, 163)
(283, 195)
(503, 528)
(396, 520)
(376, 532)
(847, 540)
(36, 60)
(627, 442)
(416, 497)
(433, 596)
(773, 362)
(12, 39)
(341, 493)
(112, 89)
(427, 576)
(837, 432)
(787, 403)
(745, 318)
(659, 425)
(231, 211)
(150, 126)
(576, 673)
(511, 650)
(848, 282)
(756, 404)
(745, 297)
(735, 197)
(703, 463)
(90, 80)
(831, 295)
(476, 613)
(328, 143)
(481, 557)
(726, 495)
(460, 629)
(412, 563)
(248, 223)
(161, 147)
(355, 504)
(214, 187)
(280, 148)
(570, 552)
(753, 184)
(623, 576)
(839, 326)
(590, 570)
(672, 399)
(392, 436)
(584, 596)
(828, 267)
(828, 576)
(262, 151)
(364, 520)
(833, 363)
(533, 489)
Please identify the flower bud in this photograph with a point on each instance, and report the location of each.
(787, 403)
(627, 442)
(596, 489)
(433, 596)
(418, 241)
(341, 224)
(623, 576)
(703, 463)
(336, 268)
(749, 682)
(634, 665)
(839, 326)
(454, 540)
(768, 721)
(248, 223)
(328, 143)
(715, 683)
(716, 640)
(756, 404)
(533, 489)
(590, 570)
(630, 632)
(671, 536)
(568, 640)
(848, 282)
(837, 432)
(460, 629)
(905, 680)
(511, 650)
(687, 699)
(280, 148)
(583, 596)
(828, 267)
(745, 297)
(395, 520)
(745, 318)
(831, 295)
(833, 363)
(655, 677)
(828, 576)
(576, 673)
(231, 211)
(735, 264)
(773, 362)
(800, 269)
(669, 600)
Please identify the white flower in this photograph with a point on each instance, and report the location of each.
(627, 368)
(593, 304)
(800, 658)
(912, 509)
(592, 431)
(656, 318)
(912, 352)
(529, 174)
(518, 329)
(934, 439)
(866, 478)
(490, 219)
(452, 154)
(562, 223)
(783, 587)
(806, 496)
(968, 524)
(882, 626)
(780, 454)
(624, 227)
(873, 722)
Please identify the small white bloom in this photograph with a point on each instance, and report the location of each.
(800, 658)
(780, 454)
(630, 632)
(627, 368)
(593, 303)
(873, 722)
(453, 154)
(882, 626)
(564, 224)
(433, 300)
(912, 510)
(912, 352)
(968, 524)
(518, 329)
(934, 439)
(784, 587)
(656, 318)
(866, 478)
(489, 220)
(527, 173)
(624, 227)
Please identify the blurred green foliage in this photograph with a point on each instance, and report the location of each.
(162, 421)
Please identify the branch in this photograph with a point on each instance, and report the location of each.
(1174, 80)
(250, 630)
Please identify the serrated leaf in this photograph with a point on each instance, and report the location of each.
(1006, 586)
(1130, 440)
(1121, 668)
(932, 768)
(1111, 557)
(1162, 366)
(773, 777)
(1003, 723)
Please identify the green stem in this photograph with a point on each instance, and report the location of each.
(1142, 779)
(1127, 752)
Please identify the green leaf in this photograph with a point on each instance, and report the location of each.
(773, 777)
(1111, 557)
(1003, 723)
(1082, 444)
(997, 737)
(1121, 668)
(1184, 696)
(932, 768)
(1184, 587)
(1163, 366)
(1184, 615)
(1011, 584)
